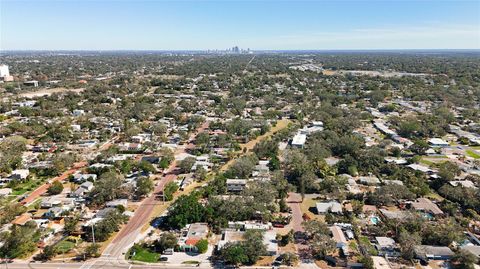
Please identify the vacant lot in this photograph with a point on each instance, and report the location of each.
(48, 92)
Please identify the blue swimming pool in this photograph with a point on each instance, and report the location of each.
(375, 220)
(428, 216)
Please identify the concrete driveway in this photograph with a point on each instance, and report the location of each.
(182, 257)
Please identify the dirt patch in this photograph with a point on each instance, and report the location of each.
(265, 261)
(305, 207)
(48, 92)
(288, 248)
(322, 264)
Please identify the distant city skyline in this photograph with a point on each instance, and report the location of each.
(257, 25)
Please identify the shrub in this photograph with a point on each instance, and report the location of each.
(202, 245)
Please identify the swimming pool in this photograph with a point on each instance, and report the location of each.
(427, 216)
(375, 220)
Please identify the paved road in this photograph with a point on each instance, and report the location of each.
(76, 167)
(43, 189)
(130, 232)
(92, 265)
(126, 237)
(294, 200)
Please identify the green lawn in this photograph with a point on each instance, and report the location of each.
(363, 240)
(144, 255)
(426, 162)
(35, 204)
(26, 186)
(190, 262)
(64, 246)
(472, 154)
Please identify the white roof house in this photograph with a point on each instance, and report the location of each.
(463, 183)
(117, 202)
(84, 177)
(421, 168)
(380, 125)
(385, 242)
(78, 112)
(437, 142)
(369, 180)
(299, 140)
(326, 207)
(20, 174)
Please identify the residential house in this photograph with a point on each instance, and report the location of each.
(131, 147)
(380, 125)
(20, 174)
(78, 112)
(329, 207)
(102, 213)
(369, 180)
(117, 202)
(50, 202)
(192, 234)
(87, 185)
(54, 212)
(394, 215)
(463, 183)
(427, 206)
(385, 245)
(78, 193)
(33, 83)
(393, 182)
(299, 140)
(151, 159)
(421, 168)
(425, 252)
(236, 185)
(249, 225)
(338, 236)
(475, 250)
(438, 142)
(141, 138)
(397, 161)
(22, 219)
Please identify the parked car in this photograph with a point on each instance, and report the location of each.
(168, 251)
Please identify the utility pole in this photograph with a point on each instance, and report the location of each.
(93, 233)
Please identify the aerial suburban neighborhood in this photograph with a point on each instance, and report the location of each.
(234, 158)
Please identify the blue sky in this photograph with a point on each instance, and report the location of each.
(267, 24)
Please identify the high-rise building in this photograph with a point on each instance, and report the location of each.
(4, 73)
(4, 70)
